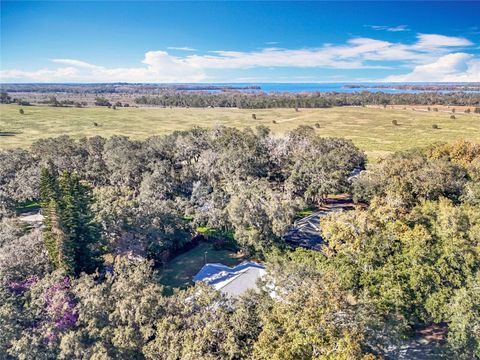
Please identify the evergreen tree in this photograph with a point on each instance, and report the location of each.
(71, 236)
(53, 232)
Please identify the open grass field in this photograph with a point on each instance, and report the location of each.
(180, 270)
(370, 129)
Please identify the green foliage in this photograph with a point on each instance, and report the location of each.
(259, 215)
(409, 257)
(72, 238)
(410, 177)
(464, 319)
(310, 316)
(409, 263)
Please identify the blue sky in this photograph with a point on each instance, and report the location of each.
(239, 41)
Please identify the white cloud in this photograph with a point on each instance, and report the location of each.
(76, 63)
(390, 28)
(457, 67)
(428, 41)
(429, 50)
(181, 48)
(159, 67)
(42, 75)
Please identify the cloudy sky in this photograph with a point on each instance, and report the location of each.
(239, 42)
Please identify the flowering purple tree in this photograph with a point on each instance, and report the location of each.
(19, 287)
(60, 309)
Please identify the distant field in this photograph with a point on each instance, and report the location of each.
(370, 129)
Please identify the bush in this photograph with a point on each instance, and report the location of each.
(477, 110)
(317, 125)
(21, 111)
(394, 122)
(452, 117)
(467, 111)
(274, 121)
(434, 126)
(100, 101)
(435, 109)
(254, 116)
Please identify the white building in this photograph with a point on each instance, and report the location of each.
(232, 281)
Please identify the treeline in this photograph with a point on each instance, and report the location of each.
(421, 87)
(410, 259)
(306, 100)
(119, 88)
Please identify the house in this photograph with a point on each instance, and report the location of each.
(231, 281)
(34, 219)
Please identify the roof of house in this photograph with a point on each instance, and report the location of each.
(305, 232)
(232, 281)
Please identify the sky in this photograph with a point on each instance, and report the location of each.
(211, 42)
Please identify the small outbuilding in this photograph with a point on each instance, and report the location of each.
(232, 281)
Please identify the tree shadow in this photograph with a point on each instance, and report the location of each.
(9, 133)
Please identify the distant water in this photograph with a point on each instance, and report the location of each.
(322, 87)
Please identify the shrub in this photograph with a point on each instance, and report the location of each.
(394, 122)
(274, 121)
(434, 126)
(21, 111)
(452, 117)
(477, 110)
(317, 125)
(254, 116)
(467, 111)
(435, 109)
(100, 101)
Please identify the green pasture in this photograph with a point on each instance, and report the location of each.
(371, 129)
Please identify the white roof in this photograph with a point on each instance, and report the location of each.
(232, 281)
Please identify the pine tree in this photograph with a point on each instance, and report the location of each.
(53, 233)
(71, 236)
(88, 255)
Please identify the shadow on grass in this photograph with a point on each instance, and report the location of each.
(9, 133)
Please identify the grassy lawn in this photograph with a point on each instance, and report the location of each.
(27, 206)
(180, 270)
(370, 129)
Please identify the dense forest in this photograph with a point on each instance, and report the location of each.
(307, 100)
(408, 257)
(99, 95)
